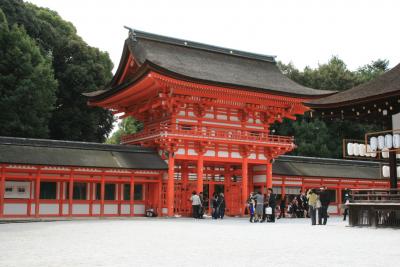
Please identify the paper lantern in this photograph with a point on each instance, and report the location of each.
(381, 142)
(396, 140)
(398, 171)
(389, 141)
(350, 150)
(397, 156)
(368, 151)
(356, 150)
(373, 154)
(362, 150)
(374, 143)
(385, 153)
(386, 171)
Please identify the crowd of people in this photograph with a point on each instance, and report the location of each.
(199, 205)
(263, 207)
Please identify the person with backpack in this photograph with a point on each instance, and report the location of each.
(312, 198)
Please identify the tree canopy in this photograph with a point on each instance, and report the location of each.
(77, 67)
(27, 84)
(317, 138)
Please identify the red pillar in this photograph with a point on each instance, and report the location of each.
(170, 185)
(60, 198)
(244, 183)
(102, 189)
(91, 190)
(269, 175)
(2, 189)
(70, 193)
(200, 181)
(37, 193)
(160, 196)
(119, 197)
(132, 197)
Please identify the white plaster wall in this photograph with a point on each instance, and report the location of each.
(138, 209)
(110, 208)
(261, 156)
(96, 209)
(65, 208)
(33, 208)
(49, 209)
(223, 154)
(222, 117)
(396, 121)
(260, 178)
(164, 210)
(235, 155)
(260, 168)
(209, 153)
(181, 151)
(192, 152)
(209, 116)
(125, 209)
(80, 209)
(15, 185)
(253, 156)
(15, 209)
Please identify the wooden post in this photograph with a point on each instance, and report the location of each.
(37, 193)
(269, 175)
(91, 187)
(170, 185)
(200, 181)
(70, 193)
(132, 196)
(102, 190)
(244, 184)
(2, 190)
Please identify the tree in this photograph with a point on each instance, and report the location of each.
(77, 67)
(127, 126)
(324, 138)
(27, 84)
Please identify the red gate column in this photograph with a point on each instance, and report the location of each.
(244, 183)
(269, 175)
(70, 193)
(102, 190)
(37, 193)
(200, 181)
(2, 189)
(170, 184)
(132, 196)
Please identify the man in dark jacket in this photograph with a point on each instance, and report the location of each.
(324, 198)
(271, 204)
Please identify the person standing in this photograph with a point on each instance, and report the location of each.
(221, 205)
(214, 203)
(196, 203)
(259, 206)
(282, 207)
(325, 200)
(201, 208)
(251, 202)
(271, 204)
(312, 204)
(346, 201)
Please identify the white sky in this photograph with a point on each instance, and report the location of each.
(304, 32)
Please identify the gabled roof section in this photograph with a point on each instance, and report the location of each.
(207, 64)
(78, 154)
(385, 85)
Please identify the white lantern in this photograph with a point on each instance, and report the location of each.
(397, 156)
(362, 149)
(368, 151)
(356, 150)
(389, 141)
(374, 143)
(398, 171)
(385, 153)
(386, 171)
(373, 154)
(350, 150)
(396, 140)
(381, 142)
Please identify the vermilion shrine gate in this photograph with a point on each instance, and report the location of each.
(207, 110)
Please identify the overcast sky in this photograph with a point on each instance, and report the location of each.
(303, 32)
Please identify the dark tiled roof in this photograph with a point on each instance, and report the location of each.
(66, 153)
(386, 85)
(212, 65)
(323, 167)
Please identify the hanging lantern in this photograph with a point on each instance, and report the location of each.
(350, 150)
(386, 171)
(396, 140)
(381, 142)
(362, 150)
(369, 151)
(397, 156)
(389, 141)
(373, 154)
(385, 153)
(374, 143)
(356, 150)
(398, 171)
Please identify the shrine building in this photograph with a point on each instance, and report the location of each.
(206, 114)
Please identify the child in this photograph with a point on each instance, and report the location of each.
(251, 203)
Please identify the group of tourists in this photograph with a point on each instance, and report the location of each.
(199, 205)
(262, 207)
(318, 202)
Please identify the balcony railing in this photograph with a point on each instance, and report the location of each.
(187, 132)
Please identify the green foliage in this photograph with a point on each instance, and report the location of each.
(127, 126)
(318, 138)
(77, 67)
(27, 84)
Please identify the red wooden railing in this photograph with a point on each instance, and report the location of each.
(185, 131)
